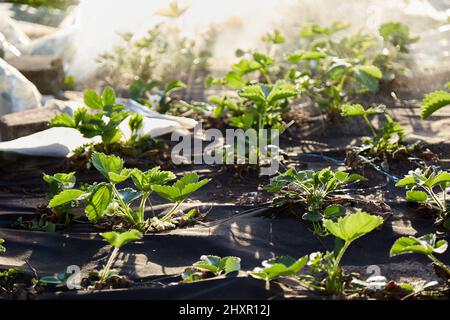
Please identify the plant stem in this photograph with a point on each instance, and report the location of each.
(122, 203)
(117, 194)
(439, 263)
(171, 212)
(372, 129)
(109, 264)
(436, 199)
(341, 254)
(142, 207)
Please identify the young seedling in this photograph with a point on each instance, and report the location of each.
(278, 267)
(260, 107)
(429, 187)
(57, 184)
(117, 241)
(107, 199)
(162, 100)
(398, 35)
(334, 70)
(93, 125)
(311, 189)
(346, 230)
(427, 245)
(162, 53)
(103, 120)
(434, 102)
(62, 279)
(2, 248)
(209, 266)
(387, 140)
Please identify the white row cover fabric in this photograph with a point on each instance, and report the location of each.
(60, 142)
(17, 93)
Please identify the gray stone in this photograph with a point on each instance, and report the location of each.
(20, 124)
(46, 72)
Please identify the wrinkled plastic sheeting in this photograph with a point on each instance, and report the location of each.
(60, 142)
(17, 93)
(12, 31)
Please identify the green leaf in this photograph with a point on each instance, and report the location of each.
(355, 177)
(275, 38)
(253, 93)
(112, 136)
(235, 80)
(181, 189)
(338, 69)
(65, 197)
(357, 110)
(230, 264)
(441, 179)
(107, 164)
(353, 226)
(308, 55)
(98, 202)
(109, 97)
(368, 76)
(218, 265)
(333, 211)
(279, 267)
(117, 240)
(60, 181)
(62, 120)
(426, 245)
(281, 90)
(174, 85)
(144, 181)
(372, 71)
(406, 182)
(93, 100)
(121, 177)
(128, 195)
(416, 196)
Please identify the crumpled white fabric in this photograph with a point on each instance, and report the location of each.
(59, 142)
(17, 93)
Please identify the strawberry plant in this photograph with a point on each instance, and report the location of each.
(312, 190)
(211, 266)
(162, 54)
(346, 230)
(434, 102)
(162, 100)
(103, 120)
(427, 245)
(252, 66)
(57, 184)
(94, 125)
(326, 274)
(335, 70)
(275, 268)
(117, 241)
(429, 187)
(107, 200)
(386, 141)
